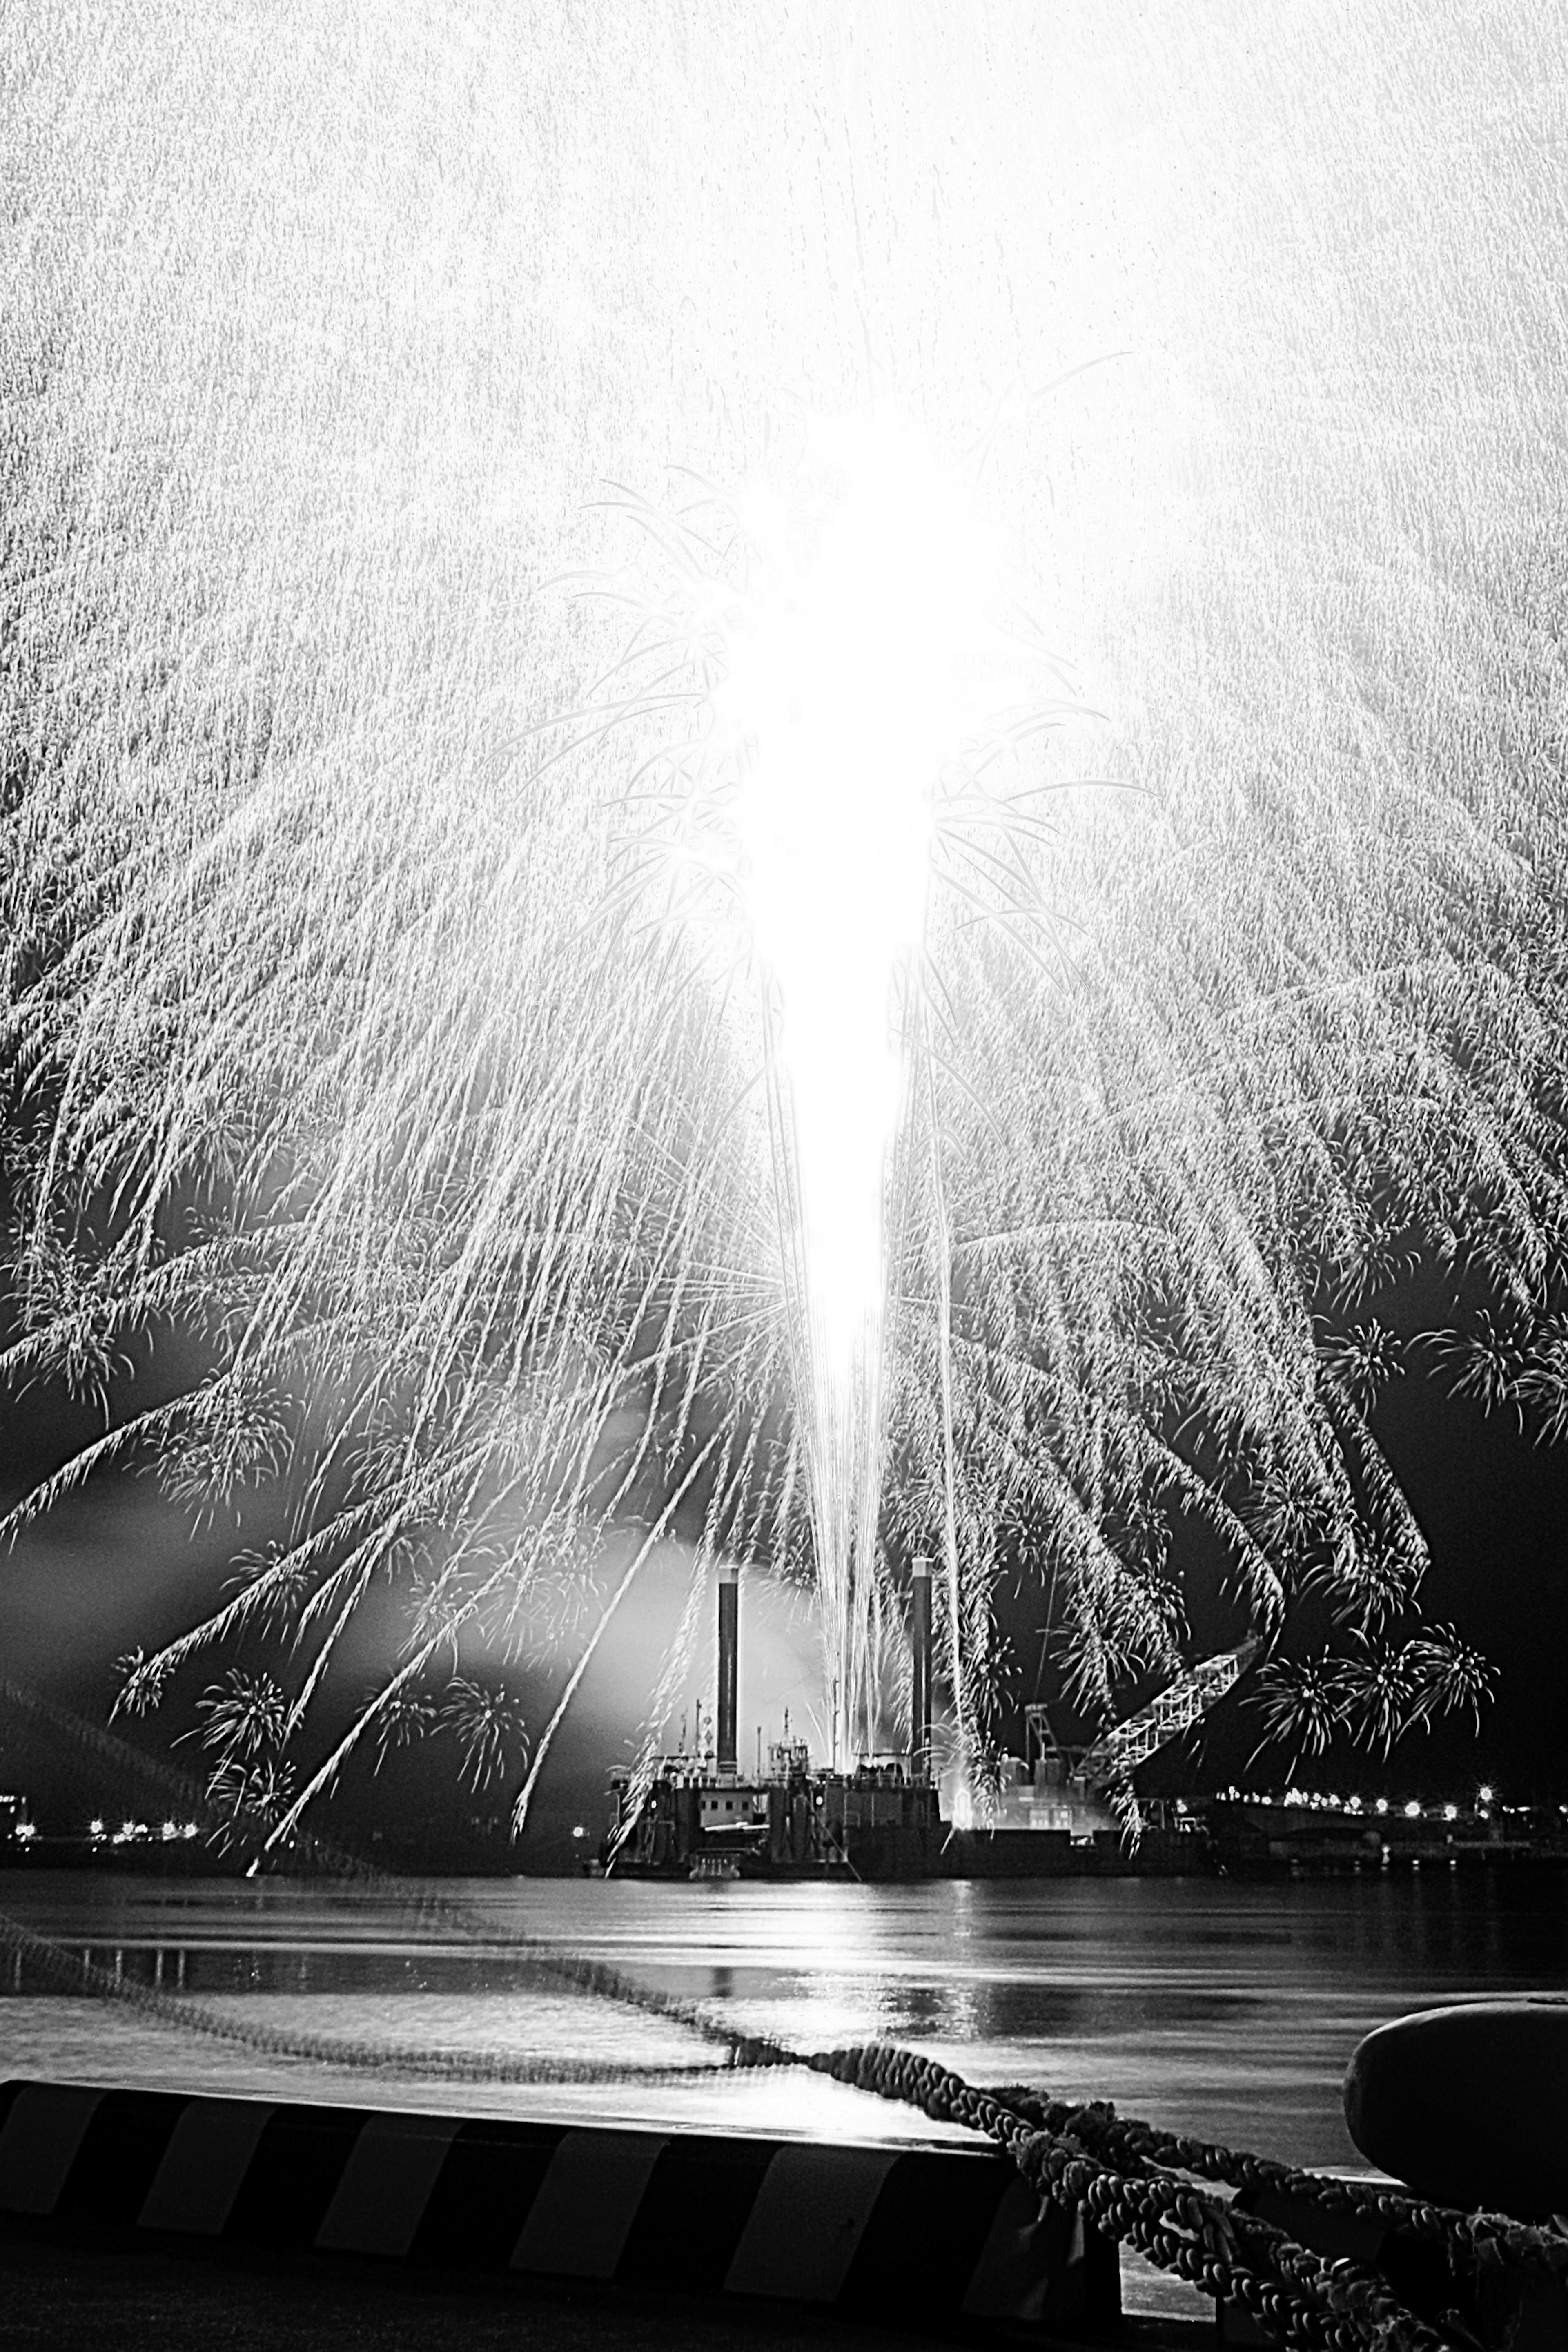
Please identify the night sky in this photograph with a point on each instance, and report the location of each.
(336, 357)
(119, 1566)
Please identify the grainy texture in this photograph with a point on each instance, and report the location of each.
(59, 2296)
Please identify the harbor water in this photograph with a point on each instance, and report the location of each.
(1224, 2008)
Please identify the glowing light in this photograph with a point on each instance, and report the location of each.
(850, 678)
(1412, 1812)
(323, 920)
(857, 664)
(1484, 1793)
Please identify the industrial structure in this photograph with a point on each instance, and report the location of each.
(1088, 1791)
(695, 1812)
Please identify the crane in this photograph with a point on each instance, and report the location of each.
(1116, 1754)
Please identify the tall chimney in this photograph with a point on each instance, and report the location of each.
(728, 1662)
(920, 1669)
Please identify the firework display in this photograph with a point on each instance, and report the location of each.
(729, 1044)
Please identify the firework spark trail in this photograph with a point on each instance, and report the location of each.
(327, 1059)
(855, 664)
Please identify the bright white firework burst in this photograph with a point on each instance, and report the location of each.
(870, 680)
(319, 326)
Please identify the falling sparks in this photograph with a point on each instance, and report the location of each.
(350, 1041)
(861, 670)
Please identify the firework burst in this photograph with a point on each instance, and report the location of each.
(356, 1028)
(862, 691)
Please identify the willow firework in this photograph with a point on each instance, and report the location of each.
(351, 1032)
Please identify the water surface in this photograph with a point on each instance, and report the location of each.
(1224, 2008)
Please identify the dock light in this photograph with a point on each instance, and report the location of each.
(1381, 1806)
(1450, 1812)
(1412, 1811)
(578, 1830)
(95, 1828)
(1484, 1793)
(25, 1830)
(170, 1829)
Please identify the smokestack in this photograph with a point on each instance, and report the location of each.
(920, 1669)
(728, 1662)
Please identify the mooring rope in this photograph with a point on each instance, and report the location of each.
(239, 1827)
(1488, 2239)
(1133, 2182)
(1299, 2298)
(73, 1972)
(1123, 2175)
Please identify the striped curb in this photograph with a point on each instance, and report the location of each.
(944, 2233)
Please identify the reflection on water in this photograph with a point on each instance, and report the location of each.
(1227, 2008)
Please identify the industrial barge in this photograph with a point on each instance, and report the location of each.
(696, 1813)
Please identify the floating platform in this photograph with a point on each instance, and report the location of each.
(697, 1812)
(690, 1819)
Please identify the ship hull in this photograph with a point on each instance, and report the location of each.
(897, 1856)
